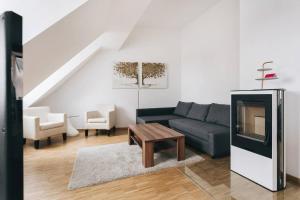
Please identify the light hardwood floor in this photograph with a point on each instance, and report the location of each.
(47, 173)
(214, 177)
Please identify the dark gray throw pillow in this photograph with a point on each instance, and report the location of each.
(198, 111)
(219, 114)
(182, 108)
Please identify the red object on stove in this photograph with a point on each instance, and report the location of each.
(271, 75)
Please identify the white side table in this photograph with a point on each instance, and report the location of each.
(71, 131)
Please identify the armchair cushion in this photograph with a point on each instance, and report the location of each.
(96, 120)
(50, 125)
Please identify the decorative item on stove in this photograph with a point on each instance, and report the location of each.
(271, 75)
(264, 76)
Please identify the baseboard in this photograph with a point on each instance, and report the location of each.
(293, 179)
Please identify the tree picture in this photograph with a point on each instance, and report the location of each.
(126, 74)
(153, 72)
(152, 75)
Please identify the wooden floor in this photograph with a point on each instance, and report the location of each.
(214, 177)
(47, 173)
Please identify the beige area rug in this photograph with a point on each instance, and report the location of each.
(100, 164)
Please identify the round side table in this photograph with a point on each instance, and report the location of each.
(71, 131)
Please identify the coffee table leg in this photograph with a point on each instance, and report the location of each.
(180, 149)
(130, 140)
(148, 160)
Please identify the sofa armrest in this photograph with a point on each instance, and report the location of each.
(219, 144)
(31, 126)
(154, 111)
(111, 118)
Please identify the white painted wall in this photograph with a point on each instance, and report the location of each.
(93, 83)
(270, 31)
(39, 15)
(209, 55)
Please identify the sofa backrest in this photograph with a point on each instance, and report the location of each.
(219, 114)
(41, 112)
(198, 111)
(183, 108)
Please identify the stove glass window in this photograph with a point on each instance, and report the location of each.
(251, 120)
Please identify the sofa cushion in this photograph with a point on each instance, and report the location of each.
(50, 125)
(97, 120)
(198, 111)
(156, 118)
(197, 128)
(182, 108)
(219, 114)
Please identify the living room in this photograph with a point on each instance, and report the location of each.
(85, 67)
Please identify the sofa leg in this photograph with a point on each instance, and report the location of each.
(108, 132)
(24, 141)
(64, 137)
(49, 140)
(36, 144)
(97, 132)
(86, 133)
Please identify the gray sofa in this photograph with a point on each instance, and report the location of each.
(206, 127)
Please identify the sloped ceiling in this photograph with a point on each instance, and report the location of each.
(107, 22)
(38, 15)
(173, 13)
(51, 49)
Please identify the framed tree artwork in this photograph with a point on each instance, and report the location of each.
(125, 75)
(153, 75)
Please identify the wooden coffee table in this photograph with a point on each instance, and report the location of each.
(146, 135)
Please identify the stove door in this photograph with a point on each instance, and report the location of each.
(251, 123)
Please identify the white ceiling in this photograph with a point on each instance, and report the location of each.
(39, 15)
(173, 13)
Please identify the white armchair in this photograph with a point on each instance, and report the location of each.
(39, 123)
(104, 118)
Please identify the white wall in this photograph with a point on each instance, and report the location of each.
(209, 55)
(93, 83)
(270, 31)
